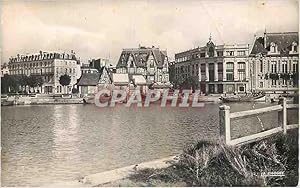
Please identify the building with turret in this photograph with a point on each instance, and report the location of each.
(218, 68)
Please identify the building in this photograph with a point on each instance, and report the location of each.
(151, 63)
(218, 68)
(49, 65)
(88, 83)
(85, 68)
(4, 69)
(92, 80)
(98, 63)
(274, 62)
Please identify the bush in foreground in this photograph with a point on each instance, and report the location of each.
(215, 164)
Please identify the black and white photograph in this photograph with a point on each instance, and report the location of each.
(149, 93)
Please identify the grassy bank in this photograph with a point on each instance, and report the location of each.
(214, 164)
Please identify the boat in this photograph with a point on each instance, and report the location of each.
(7, 103)
(246, 98)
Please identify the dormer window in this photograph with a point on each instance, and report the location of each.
(273, 47)
(294, 47)
(211, 52)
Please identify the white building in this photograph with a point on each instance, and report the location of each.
(218, 68)
(152, 63)
(274, 62)
(50, 66)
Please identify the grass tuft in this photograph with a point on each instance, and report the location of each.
(208, 163)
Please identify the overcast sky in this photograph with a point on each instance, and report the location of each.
(101, 28)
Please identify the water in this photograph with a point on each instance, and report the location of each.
(42, 145)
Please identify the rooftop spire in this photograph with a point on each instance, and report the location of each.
(209, 37)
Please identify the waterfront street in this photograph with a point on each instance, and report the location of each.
(45, 144)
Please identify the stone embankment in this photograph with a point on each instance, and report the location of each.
(121, 173)
(26, 100)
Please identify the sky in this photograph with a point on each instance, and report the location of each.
(96, 29)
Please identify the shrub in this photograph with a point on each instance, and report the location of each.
(215, 164)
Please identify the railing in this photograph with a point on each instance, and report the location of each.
(225, 117)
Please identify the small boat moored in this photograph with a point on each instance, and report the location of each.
(247, 98)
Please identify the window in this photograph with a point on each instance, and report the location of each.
(211, 52)
(294, 47)
(273, 47)
(241, 53)
(273, 67)
(295, 66)
(261, 84)
(202, 71)
(261, 66)
(230, 53)
(242, 71)
(202, 54)
(284, 67)
(220, 71)
(220, 53)
(211, 70)
(229, 71)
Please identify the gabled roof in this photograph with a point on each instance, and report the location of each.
(109, 73)
(282, 40)
(89, 79)
(141, 55)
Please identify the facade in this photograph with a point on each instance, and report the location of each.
(91, 82)
(152, 63)
(88, 83)
(218, 68)
(49, 65)
(4, 69)
(274, 62)
(85, 68)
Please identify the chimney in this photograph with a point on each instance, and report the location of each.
(265, 38)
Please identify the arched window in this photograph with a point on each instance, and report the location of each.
(211, 52)
(294, 47)
(273, 47)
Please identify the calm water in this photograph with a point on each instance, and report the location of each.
(47, 144)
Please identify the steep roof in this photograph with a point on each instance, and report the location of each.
(282, 40)
(109, 73)
(141, 55)
(89, 79)
(258, 46)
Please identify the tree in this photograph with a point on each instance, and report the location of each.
(32, 81)
(40, 81)
(5, 83)
(10, 83)
(64, 80)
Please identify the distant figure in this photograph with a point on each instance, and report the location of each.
(135, 167)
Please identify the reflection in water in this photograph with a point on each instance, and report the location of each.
(46, 144)
(65, 147)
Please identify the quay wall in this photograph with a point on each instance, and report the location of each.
(42, 100)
